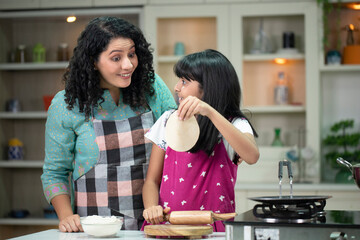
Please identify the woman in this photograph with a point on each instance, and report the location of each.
(95, 127)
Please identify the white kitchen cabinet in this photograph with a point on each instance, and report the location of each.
(20, 184)
(257, 73)
(198, 26)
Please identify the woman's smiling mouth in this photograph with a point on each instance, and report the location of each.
(125, 75)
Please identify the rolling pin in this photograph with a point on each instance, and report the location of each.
(196, 217)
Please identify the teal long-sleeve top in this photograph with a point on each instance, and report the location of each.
(70, 145)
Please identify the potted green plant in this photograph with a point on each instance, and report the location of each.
(342, 143)
(333, 55)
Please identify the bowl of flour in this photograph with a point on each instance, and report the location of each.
(101, 226)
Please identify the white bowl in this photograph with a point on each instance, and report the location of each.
(101, 226)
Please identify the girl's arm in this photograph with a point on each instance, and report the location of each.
(153, 212)
(243, 143)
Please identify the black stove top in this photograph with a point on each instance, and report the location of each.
(332, 218)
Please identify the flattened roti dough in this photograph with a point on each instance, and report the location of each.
(181, 135)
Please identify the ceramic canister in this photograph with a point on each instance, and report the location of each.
(15, 149)
(352, 54)
(179, 49)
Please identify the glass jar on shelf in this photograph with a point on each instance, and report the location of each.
(63, 52)
(20, 55)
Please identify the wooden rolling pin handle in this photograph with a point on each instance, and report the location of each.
(196, 217)
(189, 217)
(223, 216)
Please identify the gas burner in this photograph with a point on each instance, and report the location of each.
(294, 213)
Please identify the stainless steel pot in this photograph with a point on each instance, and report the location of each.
(354, 169)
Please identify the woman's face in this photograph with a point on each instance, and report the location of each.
(185, 88)
(117, 63)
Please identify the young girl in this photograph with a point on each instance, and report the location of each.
(204, 177)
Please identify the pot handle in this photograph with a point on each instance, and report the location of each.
(342, 161)
(288, 165)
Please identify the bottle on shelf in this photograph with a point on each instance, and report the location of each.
(21, 55)
(281, 90)
(277, 140)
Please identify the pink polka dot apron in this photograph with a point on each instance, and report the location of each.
(114, 185)
(196, 181)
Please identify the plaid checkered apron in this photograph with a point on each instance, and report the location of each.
(114, 185)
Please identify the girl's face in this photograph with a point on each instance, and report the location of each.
(185, 88)
(117, 63)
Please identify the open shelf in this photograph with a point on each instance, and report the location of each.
(198, 27)
(29, 82)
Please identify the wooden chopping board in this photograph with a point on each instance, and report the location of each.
(187, 231)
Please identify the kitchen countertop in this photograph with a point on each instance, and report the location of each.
(55, 234)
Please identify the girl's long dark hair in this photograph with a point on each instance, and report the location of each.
(221, 90)
(82, 81)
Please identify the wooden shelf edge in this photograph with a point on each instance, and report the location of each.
(21, 163)
(24, 115)
(272, 56)
(340, 68)
(276, 109)
(29, 221)
(33, 66)
(169, 58)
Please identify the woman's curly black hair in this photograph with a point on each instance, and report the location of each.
(82, 81)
